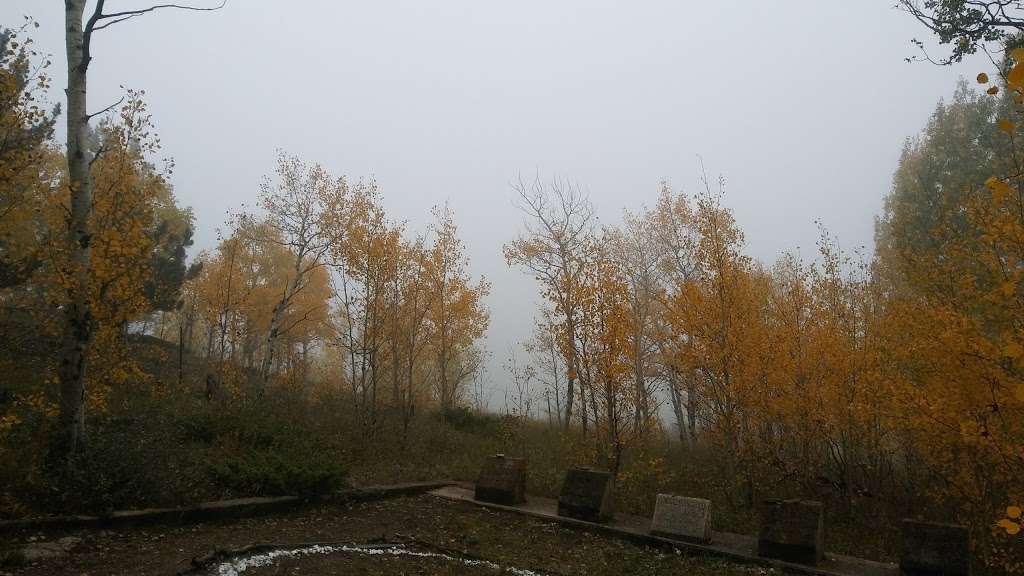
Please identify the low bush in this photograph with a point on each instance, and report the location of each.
(466, 420)
(297, 470)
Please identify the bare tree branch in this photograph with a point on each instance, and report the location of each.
(105, 110)
(112, 22)
(161, 6)
(98, 16)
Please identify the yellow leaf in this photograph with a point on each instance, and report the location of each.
(1005, 125)
(1010, 526)
(1000, 189)
(982, 78)
(1020, 392)
(1017, 54)
(1013, 512)
(1015, 78)
(1012, 350)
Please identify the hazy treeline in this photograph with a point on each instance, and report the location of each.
(325, 287)
(892, 378)
(316, 285)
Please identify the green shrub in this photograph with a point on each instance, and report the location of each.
(297, 470)
(113, 470)
(466, 420)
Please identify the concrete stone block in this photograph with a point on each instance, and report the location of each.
(502, 481)
(586, 495)
(682, 518)
(791, 530)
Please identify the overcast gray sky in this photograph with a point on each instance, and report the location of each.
(802, 105)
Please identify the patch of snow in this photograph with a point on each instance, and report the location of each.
(239, 565)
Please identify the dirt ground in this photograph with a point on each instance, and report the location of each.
(505, 542)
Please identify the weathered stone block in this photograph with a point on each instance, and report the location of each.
(586, 495)
(502, 481)
(682, 518)
(791, 530)
(37, 551)
(933, 549)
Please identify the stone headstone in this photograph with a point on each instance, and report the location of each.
(930, 548)
(791, 530)
(682, 518)
(586, 495)
(502, 481)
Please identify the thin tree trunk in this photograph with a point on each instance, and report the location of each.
(209, 342)
(547, 400)
(225, 314)
(78, 321)
(675, 395)
(573, 373)
(691, 406)
(181, 353)
(275, 323)
(553, 351)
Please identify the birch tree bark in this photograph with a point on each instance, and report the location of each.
(78, 317)
(78, 321)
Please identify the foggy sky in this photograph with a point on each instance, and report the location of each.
(803, 107)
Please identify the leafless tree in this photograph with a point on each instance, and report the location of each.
(550, 367)
(519, 399)
(556, 247)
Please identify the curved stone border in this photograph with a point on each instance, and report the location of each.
(235, 508)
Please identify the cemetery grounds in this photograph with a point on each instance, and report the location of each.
(433, 536)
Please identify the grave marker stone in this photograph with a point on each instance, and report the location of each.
(930, 548)
(502, 481)
(586, 495)
(681, 518)
(791, 530)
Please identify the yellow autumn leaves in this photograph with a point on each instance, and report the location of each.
(1012, 523)
(1015, 77)
(1004, 230)
(1000, 188)
(834, 369)
(394, 321)
(132, 202)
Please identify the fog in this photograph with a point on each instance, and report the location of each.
(802, 106)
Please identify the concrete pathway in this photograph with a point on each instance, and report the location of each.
(738, 547)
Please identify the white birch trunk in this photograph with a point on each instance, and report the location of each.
(78, 321)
